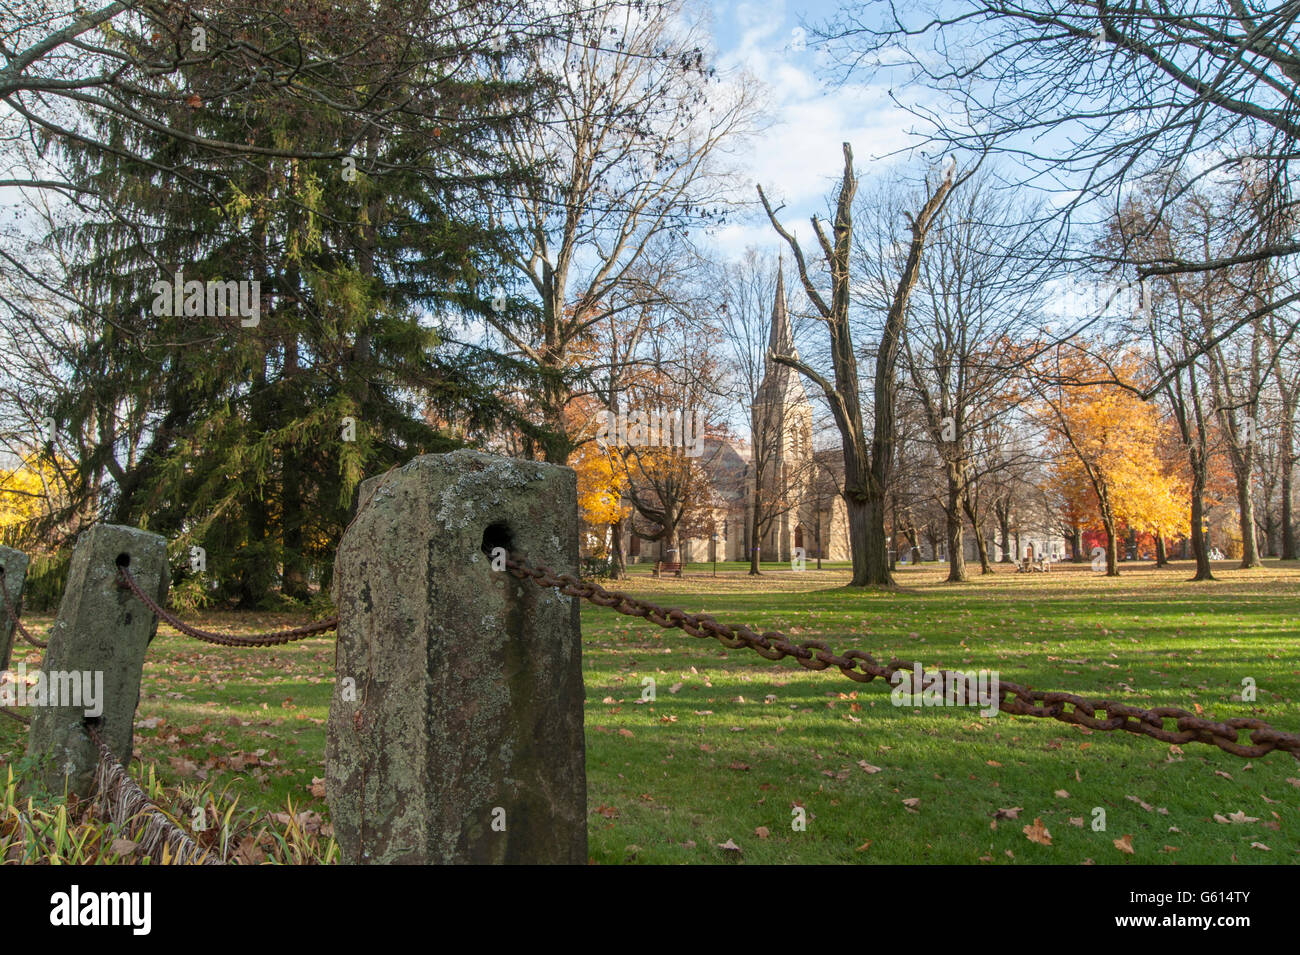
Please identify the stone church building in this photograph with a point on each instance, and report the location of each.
(799, 502)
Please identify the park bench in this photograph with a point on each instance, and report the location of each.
(1033, 565)
(674, 568)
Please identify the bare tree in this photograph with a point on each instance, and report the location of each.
(629, 148)
(974, 307)
(866, 467)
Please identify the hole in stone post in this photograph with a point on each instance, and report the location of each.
(498, 535)
(123, 560)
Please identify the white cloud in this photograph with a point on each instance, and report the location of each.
(798, 158)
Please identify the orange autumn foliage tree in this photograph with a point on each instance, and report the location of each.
(1104, 442)
(602, 479)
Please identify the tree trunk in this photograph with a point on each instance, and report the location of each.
(1076, 543)
(1246, 504)
(956, 547)
(866, 541)
(981, 545)
(1162, 557)
(293, 570)
(1112, 547)
(617, 559)
(1288, 527)
(1004, 525)
(1199, 550)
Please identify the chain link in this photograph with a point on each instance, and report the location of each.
(226, 639)
(861, 667)
(13, 615)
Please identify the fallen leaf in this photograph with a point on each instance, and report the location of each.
(1062, 794)
(1125, 843)
(1038, 833)
(124, 847)
(864, 847)
(762, 832)
(1237, 817)
(730, 846)
(868, 768)
(625, 732)
(1260, 845)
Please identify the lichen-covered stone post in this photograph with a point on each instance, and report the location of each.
(92, 668)
(14, 564)
(455, 730)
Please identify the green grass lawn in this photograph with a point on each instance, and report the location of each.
(733, 744)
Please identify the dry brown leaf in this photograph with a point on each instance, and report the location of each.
(762, 832)
(1125, 843)
(1038, 833)
(1235, 817)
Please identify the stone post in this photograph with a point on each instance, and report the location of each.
(14, 564)
(455, 730)
(95, 657)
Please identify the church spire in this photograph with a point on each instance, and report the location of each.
(781, 340)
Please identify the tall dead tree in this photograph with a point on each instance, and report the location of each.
(866, 466)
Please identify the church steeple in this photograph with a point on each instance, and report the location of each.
(781, 339)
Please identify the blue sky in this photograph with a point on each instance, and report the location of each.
(798, 160)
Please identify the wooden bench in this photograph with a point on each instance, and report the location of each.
(673, 568)
(1030, 565)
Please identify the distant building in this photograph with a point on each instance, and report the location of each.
(798, 486)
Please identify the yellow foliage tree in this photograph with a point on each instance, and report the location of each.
(32, 489)
(1105, 441)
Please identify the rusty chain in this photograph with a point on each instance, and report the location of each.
(225, 639)
(13, 615)
(861, 667)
